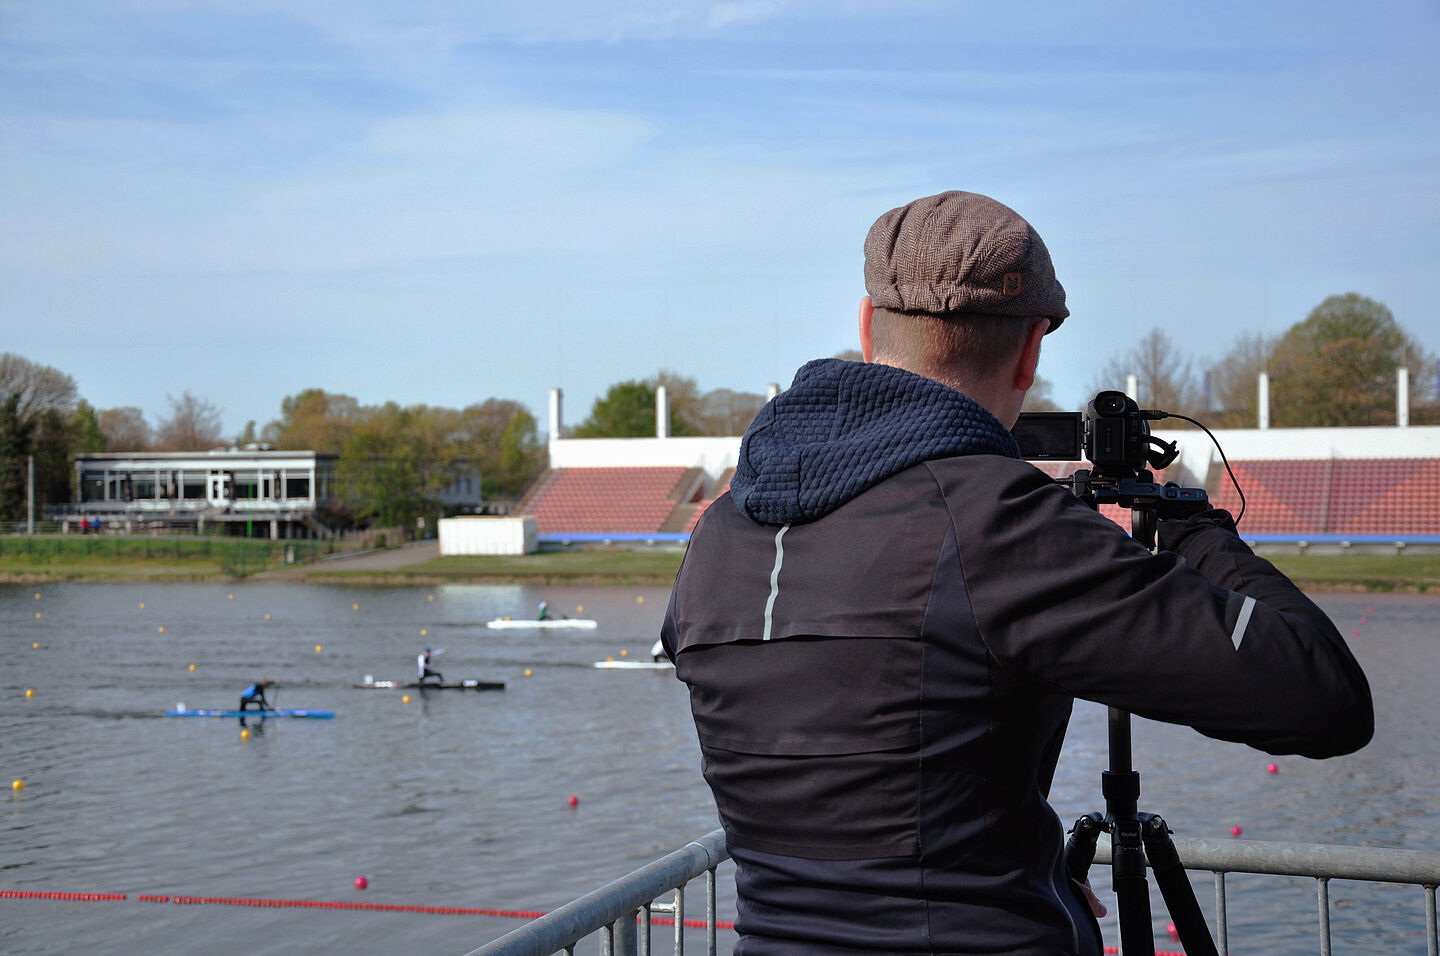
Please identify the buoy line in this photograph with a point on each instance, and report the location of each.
(75, 897)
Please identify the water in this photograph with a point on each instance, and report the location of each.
(460, 798)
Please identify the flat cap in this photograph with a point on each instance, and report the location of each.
(961, 252)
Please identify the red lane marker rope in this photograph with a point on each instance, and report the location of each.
(327, 905)
(37, 895)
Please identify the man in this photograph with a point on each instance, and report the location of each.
(885, 622)
(423, 663)
(255, 694)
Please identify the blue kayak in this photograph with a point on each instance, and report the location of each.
(205, 712)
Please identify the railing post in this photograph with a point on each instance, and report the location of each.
(1323, 894)
(1222, 924)
(624, 937)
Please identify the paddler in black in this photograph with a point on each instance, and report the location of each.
(255, 694)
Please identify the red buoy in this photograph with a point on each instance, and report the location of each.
(1272, 768)
(574, 800)
(361, 882)
(1235, 831)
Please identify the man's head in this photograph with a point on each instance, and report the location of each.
(961, 290)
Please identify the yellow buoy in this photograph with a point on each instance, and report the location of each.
(527, 672)
(229, 597)
(192, 667)
(639, 599)
(35, 644)
(17, 785)
(624, 653)
(405, 699)
(29, 692)
(609, 660)
(267, 617)
(161, 630)
(579, 609)
(429, 597)
(318, 648)
(142, 604)
(37, 615)
(354, 607)
(37, 595)
(423, 632)
(245, 734)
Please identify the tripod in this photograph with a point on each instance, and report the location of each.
(1134, 837)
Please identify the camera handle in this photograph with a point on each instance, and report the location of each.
(1134, 836)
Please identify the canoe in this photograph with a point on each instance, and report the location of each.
(432, 685)
(564, 622)
(291, 712)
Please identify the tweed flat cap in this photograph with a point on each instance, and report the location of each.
(961, 252)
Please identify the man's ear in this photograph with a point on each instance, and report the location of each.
(867, 340)
(1030, 355)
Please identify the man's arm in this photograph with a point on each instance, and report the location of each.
(1208, 635)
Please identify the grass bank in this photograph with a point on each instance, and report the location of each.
(1413, 573)
(40, 558)
(627, 568)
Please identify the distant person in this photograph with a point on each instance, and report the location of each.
(543, 612)
(423, 663)
(658, 651)
(255, 694)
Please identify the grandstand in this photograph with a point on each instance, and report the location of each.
(1323, 488)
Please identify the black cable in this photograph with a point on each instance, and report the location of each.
(1235, 481)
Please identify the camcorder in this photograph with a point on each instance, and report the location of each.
(1113, 435)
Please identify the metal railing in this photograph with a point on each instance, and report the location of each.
(618, 908)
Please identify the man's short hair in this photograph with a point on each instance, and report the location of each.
(967, 344)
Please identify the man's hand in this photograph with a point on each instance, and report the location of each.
(1096, 907)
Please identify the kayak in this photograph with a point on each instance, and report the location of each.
(564, 622)
(371, 684)
(295, 712)
(635, 665)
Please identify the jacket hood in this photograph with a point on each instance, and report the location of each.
(843, 427)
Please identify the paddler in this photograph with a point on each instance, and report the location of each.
(423, 663)
(255, 694)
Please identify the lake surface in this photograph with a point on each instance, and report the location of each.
(461, 798)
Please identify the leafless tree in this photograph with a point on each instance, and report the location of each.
(38, 387)
(193, 425)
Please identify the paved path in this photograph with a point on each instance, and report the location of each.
(387, 559)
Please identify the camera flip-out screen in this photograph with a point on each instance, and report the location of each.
(1049, 436)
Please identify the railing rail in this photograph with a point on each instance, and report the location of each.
(613, 910)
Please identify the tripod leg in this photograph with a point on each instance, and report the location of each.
(1175, 887)
(1080, 847)
(1132, 892)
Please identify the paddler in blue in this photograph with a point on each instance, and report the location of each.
(255, 694)
(423, 663)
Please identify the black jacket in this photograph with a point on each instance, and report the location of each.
(881, 684)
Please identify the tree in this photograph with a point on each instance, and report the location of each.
(722, 411)
(36, 387)
(1338, 366)
(1235, 382)
(124, 429)
(193, 425)
(15, 436)
(313, 420)
(247, 435)
(395, 463)
(86, 434)
(501, 438)
(1164, 379)
(626, 410)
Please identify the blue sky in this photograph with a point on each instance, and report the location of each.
(438, 202)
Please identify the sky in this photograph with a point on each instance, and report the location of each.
(442, 201)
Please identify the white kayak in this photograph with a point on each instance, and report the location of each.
(635, 665)
(578, 623)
